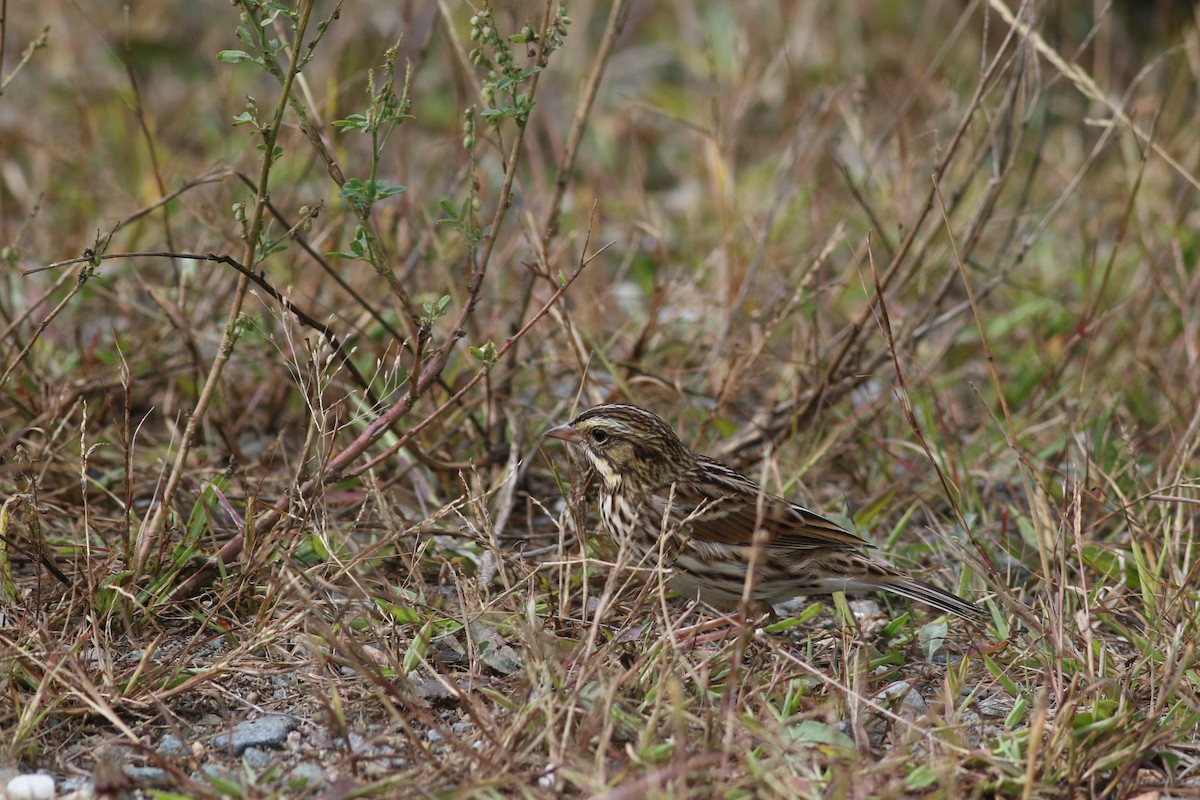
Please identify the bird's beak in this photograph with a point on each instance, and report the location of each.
(566, 433)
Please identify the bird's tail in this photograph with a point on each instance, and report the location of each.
(912, 589)
(933, 596)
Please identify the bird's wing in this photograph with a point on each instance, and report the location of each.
(719, 504)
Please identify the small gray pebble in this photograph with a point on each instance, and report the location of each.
(254, 757)
(307, 774)
(170, 745)
(147, 774)
(80, 783)
(269, 731)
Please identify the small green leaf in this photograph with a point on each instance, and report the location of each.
(486, 353)
(404, 615)
(236, 57)
(420, 645)
(817, 734)
(355, 121)
(359, 246)
(435, 311)
(795, 620)
(1017, 714)
(382, 192)
(932, 636)
(920, 778)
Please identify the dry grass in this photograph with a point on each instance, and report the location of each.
(930, 268)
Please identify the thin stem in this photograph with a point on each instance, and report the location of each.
(154, 525)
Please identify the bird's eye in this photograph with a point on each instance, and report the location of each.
(599, 436)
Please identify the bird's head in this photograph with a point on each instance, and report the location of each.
(627, 445)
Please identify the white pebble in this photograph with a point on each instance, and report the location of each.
(31, 787)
